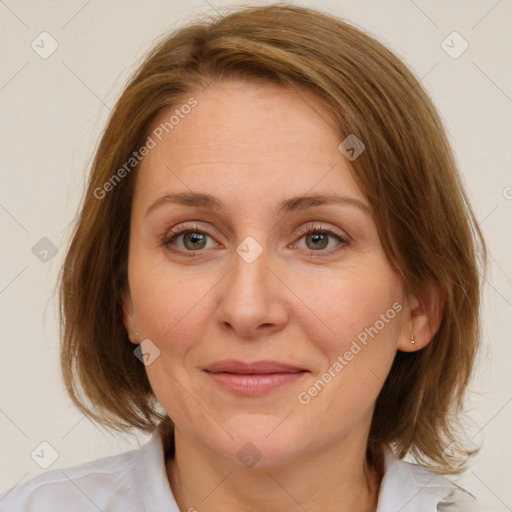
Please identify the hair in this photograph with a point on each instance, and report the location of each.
(408, 174)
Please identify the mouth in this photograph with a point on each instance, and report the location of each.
(255, 378)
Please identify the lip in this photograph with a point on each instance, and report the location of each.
(256, 367)
(253, 378)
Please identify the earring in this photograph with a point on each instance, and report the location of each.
(137, 335)
(412, 338)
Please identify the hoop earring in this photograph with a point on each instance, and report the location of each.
(412, 338)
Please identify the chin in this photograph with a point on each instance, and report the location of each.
(256, 441)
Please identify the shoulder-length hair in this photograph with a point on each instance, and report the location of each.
(407, 172)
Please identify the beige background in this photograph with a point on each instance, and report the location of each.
(53, 111)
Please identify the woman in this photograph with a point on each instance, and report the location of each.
(274, 271)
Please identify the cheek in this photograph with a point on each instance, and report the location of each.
(355, 302)
(361, 319)
(170, 309)
(171, 312)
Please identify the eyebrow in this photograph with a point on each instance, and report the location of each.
(293, 204)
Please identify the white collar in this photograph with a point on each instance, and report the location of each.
(405, 487)
(413, 488)
(151, 477)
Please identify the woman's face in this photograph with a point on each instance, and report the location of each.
(225, 268)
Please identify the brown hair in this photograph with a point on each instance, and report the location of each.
(407, 172)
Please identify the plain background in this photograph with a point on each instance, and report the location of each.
(53, 112)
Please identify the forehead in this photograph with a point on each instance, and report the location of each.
(251, 136)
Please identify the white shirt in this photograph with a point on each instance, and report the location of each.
(136, 481)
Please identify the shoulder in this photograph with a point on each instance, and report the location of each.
(92, 486)
(414, 488)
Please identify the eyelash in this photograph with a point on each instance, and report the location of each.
(173, 234)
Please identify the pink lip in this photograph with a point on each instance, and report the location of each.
(253, 378)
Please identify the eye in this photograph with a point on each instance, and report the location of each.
(188, 239)
(318, 239)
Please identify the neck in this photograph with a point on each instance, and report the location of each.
(335, 479)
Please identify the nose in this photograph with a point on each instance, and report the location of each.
(252, 300)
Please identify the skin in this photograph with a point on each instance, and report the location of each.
(299, 302)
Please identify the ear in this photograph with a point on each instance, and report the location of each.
(129, 320)
(425, 313)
